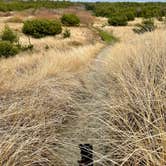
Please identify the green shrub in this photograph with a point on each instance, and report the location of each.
(130, 16)
(8, 49)
(41, 27)
(118, 21)
(107, 37)
(70, 20)
(146, 10)
(9, 35)
(19, 5)
(145, 26)
(66, 33)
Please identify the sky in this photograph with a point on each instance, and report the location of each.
(122, 0)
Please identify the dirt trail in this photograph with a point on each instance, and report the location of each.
(88, 127)
(104, 52)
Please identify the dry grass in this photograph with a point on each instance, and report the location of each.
(46, 13)
(81, 35)
(136, 106)
(24, 70)
(15, 19)
(125, 33)
(118, 105)
(50, 56)
(50, 103)
(86, 17)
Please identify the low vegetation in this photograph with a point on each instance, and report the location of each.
(118, 20)
(8, 49)
(70, 20)
(17, 5)
(130, 10)
(66, 33)
(109, 38)
(145, 26)
(9, 35)
(9, 44)
(41, 27)
(130, 16)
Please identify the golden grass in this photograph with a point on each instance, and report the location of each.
(117, 104)
(79, 34)
(22, 70)
(15, 19)
(140, 109)
(86, 17)
(125, 33)
(50, 56)
(134, 102)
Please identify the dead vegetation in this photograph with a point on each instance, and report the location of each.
(117, 105)
(50, 102)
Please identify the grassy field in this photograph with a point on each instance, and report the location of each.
(104, 85)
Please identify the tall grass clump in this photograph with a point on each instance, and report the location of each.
(132, 98)
(147, 25)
